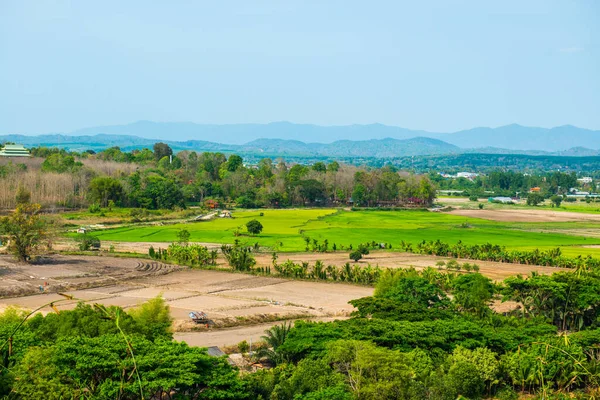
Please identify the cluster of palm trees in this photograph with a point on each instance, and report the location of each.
(347, 273)
(493, 252)
(358, 274)
(317, 246)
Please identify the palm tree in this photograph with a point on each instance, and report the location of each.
(274, 338)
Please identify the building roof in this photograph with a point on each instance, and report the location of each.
(215, 351)
(14, 150)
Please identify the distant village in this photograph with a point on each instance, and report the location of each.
(586, 182)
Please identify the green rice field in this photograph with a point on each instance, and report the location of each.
(284, 230)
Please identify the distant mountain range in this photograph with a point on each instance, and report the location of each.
(284, 138)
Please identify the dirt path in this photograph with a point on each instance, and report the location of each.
(128, 247)
(517, 215)
(231, 336)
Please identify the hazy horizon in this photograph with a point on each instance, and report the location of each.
(77, 132)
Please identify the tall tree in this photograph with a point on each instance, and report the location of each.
(25, 229)
(105, 188)
(161, 150)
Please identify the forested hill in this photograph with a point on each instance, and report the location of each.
(378, 148)
(483, 162)
(352, 151)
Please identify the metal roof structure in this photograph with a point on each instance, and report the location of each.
(14, 150)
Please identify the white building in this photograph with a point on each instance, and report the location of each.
(586, 180)
(468, 175)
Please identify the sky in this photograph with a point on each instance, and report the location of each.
(440, 66)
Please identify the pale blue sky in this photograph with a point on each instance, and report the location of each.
(433, 65)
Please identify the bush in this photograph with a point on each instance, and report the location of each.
(480, 205)
(238, 257)
(534, 199)
(153, 319)
(88, 242)
(453, 264)
(94, 208)
(183, 236)
(507, 393)
(473, 198)
(556, 200)
(137, 214)
(356, 255)
(243, 347)
(363, 249)
(463, 377)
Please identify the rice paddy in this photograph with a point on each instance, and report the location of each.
(285, 230)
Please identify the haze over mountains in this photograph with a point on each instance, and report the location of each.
(375, 140)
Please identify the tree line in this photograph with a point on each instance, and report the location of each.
(160, 179)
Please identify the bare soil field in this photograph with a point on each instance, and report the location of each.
(240, 306)
(249, 303)
(453, 200)
(127, 247)
(507, 215)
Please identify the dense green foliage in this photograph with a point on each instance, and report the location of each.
(412, 341)
(98, 353)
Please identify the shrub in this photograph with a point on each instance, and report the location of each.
(243, 347)
(239, 257)
(94, 208)
(87, 242)
(556, 200)
(533, 199)
(453, 264)
(463, 377)
(183, 236)
(356, 255)
(153, 319)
